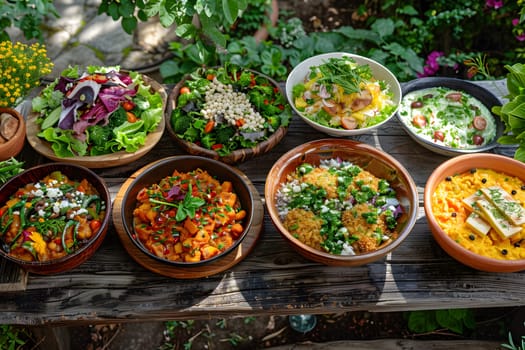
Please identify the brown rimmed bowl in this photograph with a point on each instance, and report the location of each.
(73, 172)
(237, 156)
(458, 165)
(12, 147)
(156, 171)
(367, 157)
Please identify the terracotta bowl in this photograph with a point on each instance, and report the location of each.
(165, 167)
(483, 95)
(367, 157)
(73, 172)
(14, 145)
(380, 72)
(458, 165)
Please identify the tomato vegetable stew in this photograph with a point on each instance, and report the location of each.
(51, 218)
(188, 217)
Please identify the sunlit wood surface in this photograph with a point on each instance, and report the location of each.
(273, 279)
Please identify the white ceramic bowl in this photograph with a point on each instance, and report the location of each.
(381, 73)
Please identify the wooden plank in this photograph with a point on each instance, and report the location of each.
(394, 344)
(273, 279)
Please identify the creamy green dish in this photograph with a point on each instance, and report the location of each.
(448, 117)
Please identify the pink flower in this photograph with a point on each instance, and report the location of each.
(515, 21)
(496, 4)
(431, 65)
(520, 37)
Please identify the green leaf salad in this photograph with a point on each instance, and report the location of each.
(99, 111)
(228, 108)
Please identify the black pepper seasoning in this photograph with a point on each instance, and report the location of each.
(472, 237)
(504, 251)
(523, 188)
(483, 180)
(448, 178)
(513, 192)
(472, 171)
(454, 215)
(517, 245)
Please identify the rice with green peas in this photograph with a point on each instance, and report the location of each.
(338, 207)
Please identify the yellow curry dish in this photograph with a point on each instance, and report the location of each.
(188, 217)
(484, 211)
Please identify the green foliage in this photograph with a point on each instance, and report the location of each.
(510, 345)
(195, 20)
(27, 15)
(13, 338)
(456, 320)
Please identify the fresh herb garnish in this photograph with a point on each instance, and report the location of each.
(185, 208)
(343, 72)
(9, 168)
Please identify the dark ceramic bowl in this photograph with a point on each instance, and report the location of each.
(481, 94)
(158, 170)
(73, 172)
(458, 165)
(367, 157)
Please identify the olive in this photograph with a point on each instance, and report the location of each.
(454, 96)
(416, 104)
(477, 139)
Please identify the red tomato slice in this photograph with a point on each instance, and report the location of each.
(438, 135)
(479, 123)
(419, 121)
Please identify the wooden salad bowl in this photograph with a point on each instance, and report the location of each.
(106, 160)
(237, 156)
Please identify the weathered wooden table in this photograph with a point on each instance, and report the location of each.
(273, 279)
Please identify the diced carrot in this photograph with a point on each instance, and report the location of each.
(209, 126)
(226, 186)
(190, 226)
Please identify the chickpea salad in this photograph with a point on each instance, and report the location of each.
(338, 207)
(228, 108)
(448, 118)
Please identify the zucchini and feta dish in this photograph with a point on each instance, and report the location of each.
(447, 117)
(483, 210)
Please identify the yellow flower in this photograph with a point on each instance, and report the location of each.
(38, 243)
(21, 68)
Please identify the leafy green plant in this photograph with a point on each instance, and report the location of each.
(456, 320)
(27, 15)
(510, 345)
(251, 19)
(12, 337)
(512, 113)
(195, 20)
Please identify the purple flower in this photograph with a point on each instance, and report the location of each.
(431, 65)
(515, 21)
(520, 37)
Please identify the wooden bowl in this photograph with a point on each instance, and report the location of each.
(461, 164)
(73, 172)
(102, 161)
(165, 167)
(367, 157)
(14, 145)
(481, 94)
(237, 156)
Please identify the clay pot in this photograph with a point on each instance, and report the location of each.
(12, 132)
